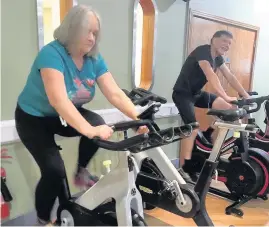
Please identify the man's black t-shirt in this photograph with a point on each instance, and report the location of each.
(192, 78)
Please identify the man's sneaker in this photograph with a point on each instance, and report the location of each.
(185, 175)
(84, 179)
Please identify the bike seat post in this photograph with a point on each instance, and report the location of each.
(214, 155)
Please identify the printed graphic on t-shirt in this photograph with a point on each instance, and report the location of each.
(81, 95)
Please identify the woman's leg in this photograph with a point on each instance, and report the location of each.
(40, 143)
(87, 149)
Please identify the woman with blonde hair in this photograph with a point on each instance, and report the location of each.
(62, 79)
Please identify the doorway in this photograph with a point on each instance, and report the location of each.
(240, 58)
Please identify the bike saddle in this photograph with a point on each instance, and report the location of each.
(228, 115)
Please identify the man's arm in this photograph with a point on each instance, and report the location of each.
(233, 81)
(214, 80)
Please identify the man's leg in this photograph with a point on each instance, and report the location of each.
(219, 104)
(209, 100)
(185, 106)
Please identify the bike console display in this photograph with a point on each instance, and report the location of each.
(143, 97)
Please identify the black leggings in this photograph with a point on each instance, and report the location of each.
(37, 134)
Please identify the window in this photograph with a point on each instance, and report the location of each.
(144, 39)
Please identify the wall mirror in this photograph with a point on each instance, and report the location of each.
(49, 15)
(144, 43)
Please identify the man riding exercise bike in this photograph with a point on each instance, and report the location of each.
(199, 68)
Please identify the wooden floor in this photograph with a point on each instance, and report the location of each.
(256, 213)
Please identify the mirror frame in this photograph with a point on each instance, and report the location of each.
(154, 41)
(40, 23)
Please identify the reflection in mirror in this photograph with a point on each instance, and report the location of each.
(138, 43)
(49, 15)
(144, 39)
(51, 18)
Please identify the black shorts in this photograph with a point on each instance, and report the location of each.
(185, 104)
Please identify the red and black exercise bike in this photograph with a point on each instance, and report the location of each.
(258, 140)
(245, 173)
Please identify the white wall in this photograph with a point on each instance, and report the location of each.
(254, 12)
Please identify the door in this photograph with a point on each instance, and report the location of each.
(239, 59)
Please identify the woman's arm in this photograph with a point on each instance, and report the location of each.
(116, 96)
(56, 91)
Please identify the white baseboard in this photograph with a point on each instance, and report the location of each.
(111, 116)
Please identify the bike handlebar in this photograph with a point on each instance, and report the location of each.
(246, 102)
(122, 145)
(155, 137)
(148, 140)
(123, 126)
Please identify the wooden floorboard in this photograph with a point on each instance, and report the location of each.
(254, 215)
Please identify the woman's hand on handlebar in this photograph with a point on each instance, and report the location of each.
(104, 132)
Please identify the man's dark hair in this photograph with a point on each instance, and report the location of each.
(220, 33)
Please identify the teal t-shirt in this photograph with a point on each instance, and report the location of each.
(80, 84)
